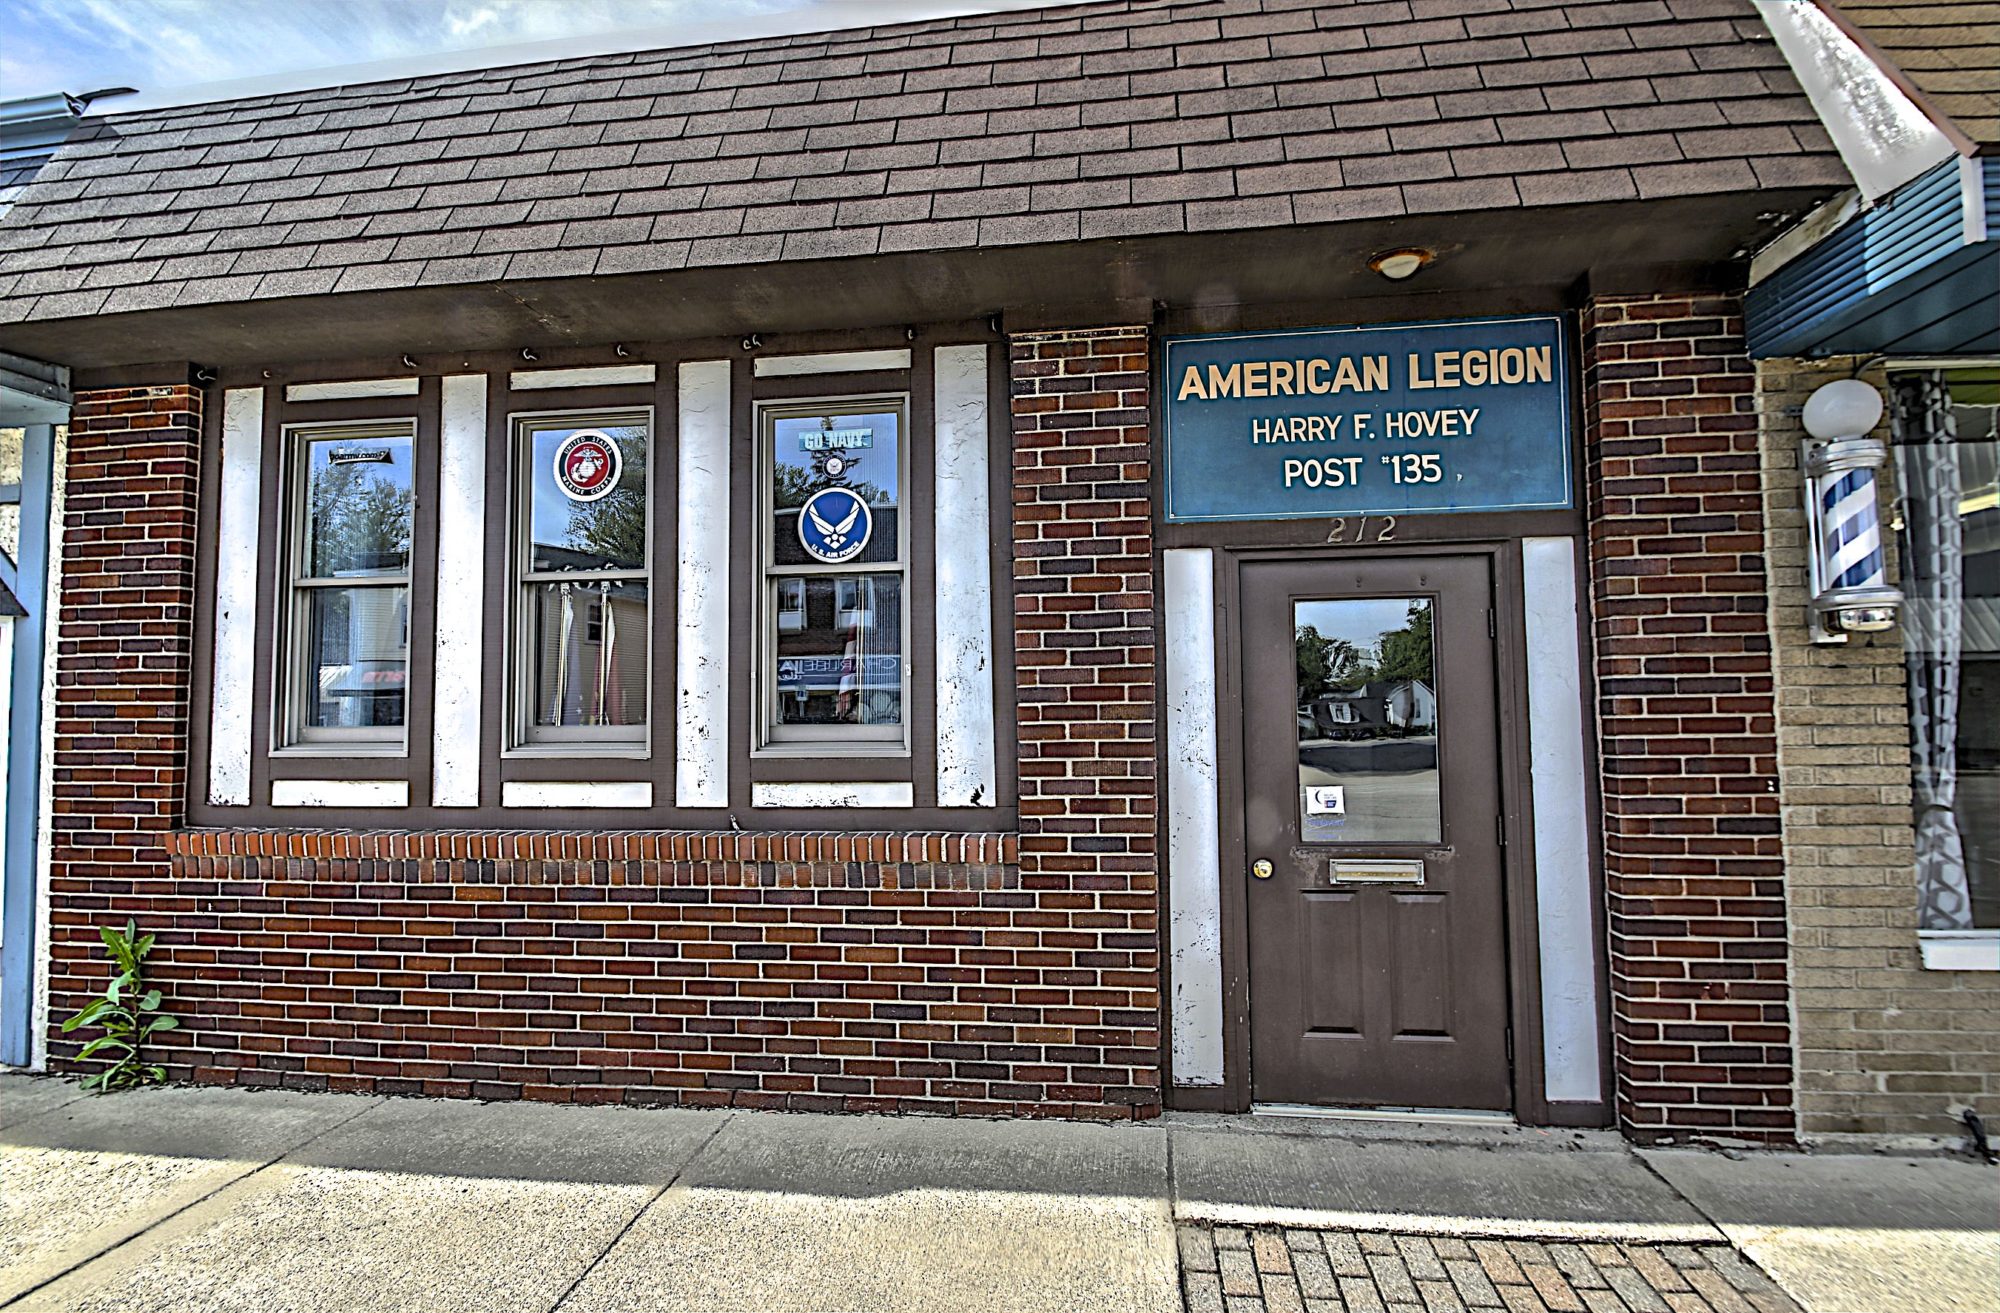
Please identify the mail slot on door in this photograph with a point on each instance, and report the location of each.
(1375, 870)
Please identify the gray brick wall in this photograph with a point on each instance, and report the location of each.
(1884, 1046)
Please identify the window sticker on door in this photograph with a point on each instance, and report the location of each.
(1326, 800)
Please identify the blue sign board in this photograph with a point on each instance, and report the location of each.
(1388, 419)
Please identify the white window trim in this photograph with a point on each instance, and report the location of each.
(290, 734)
(520, 738)
(825, 740)
(1960, 950)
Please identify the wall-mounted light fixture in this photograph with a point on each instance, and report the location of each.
(1848, 570)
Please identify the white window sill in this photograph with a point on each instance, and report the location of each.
(1960, 950)
(337, 749)
(580, 749)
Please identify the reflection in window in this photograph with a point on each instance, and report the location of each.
(582, 620)
(353, 495)
(835, 573)
(1948, 468)
(1367, 721)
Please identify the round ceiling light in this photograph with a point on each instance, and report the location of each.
(1400, 264)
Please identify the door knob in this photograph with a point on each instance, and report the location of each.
(1261, 868)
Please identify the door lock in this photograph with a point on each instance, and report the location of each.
(1261, 868)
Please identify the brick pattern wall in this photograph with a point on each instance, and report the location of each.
(1693, 863)
(1085, 658)
(976, 974)
(125, 628)
(1884, 1046)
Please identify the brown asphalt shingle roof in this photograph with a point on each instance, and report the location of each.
(1951, 52)
(1102, 120)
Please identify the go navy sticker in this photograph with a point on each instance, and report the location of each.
(834, 525)
(587, 465)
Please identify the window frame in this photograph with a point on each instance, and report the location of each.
(520, 736)
(291, 736)
(769, 740)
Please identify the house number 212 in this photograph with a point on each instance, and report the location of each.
(1385, 530)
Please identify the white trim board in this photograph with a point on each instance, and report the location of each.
(1559, 776)
(588, 376)
(348, 389)
(461, 595)
(579, 793)
(890, 793)
(340, 793)
(830, 362)
(701, 648)
(233, 667)
(967, 773)
(1194, 818)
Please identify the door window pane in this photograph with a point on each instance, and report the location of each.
(588, 652)
(358, 657)
(839, 658)
(1367, 721)
(358, 497)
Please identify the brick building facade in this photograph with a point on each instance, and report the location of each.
(1036, 776)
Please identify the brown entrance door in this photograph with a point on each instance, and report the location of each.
(1378, 970)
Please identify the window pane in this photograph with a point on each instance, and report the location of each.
(840, 650)
(358, 496)
(814, 452)
(357, 656)
(1367, 721)
(587, 496)
(1950, 546)
(588, 653)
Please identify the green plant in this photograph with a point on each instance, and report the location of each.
(128, 1013)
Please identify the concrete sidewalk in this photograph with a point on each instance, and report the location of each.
(207, 1199)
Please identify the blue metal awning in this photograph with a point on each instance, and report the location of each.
(1915, 275)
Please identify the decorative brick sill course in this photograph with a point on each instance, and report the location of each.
(689, 846)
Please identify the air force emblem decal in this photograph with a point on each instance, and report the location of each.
(834, 525)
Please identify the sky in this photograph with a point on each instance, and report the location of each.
(157, 46)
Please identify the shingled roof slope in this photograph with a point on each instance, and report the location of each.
(1091, 121)
(1950, 50)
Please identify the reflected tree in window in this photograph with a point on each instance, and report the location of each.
(361, 522)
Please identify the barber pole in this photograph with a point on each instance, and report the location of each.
(1850, 577)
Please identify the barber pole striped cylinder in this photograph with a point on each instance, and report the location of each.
(1850, 576)
(1850, 545)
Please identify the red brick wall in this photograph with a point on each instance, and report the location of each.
(970, 974)
(125, 628)
(1085, 660)
(1693, 863)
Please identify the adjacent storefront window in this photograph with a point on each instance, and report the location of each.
(1367, 721)
(347, 649)
(582, 619)
(835, 567)
(1948, 469)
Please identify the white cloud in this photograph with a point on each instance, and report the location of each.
(80, 45)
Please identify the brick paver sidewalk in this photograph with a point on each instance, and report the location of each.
(1228, 1269)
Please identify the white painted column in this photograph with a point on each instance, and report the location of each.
(1559, 765)
(233, 671)
(1194, 829)
(966, 772)
(461, 592)
(701, 723)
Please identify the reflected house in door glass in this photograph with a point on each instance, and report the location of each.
(1368, 719)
